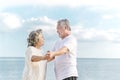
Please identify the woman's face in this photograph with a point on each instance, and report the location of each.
(40, 41)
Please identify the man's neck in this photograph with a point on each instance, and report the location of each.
(67, 34)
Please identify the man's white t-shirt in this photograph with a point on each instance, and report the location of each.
(66, 65)
(34, 70)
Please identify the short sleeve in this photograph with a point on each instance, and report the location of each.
(70, 44)
(56, 44)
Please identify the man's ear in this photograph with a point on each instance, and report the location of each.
(66, 27)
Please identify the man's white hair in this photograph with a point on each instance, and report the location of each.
(64, 23)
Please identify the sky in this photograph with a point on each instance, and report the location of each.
(95, 24)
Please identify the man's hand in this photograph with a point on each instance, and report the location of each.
(50, 56)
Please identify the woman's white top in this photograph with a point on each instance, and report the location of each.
(66, 65)
(34, 70)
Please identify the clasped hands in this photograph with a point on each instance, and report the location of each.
(49, 56)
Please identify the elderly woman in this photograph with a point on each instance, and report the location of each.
(35, 61)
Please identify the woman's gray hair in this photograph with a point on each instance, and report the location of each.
(33, 37)
(64, 23)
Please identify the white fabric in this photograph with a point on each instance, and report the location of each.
(34, 70)
(65, 65)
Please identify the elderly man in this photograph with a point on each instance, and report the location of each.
(64, 53)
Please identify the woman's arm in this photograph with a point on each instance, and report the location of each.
(37, 58)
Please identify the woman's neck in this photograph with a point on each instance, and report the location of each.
(38, 47)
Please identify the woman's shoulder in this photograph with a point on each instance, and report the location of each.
(30, 49)
(33, 50)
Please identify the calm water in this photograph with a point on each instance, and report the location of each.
(89, 69)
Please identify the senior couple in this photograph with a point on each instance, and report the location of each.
(63, 54)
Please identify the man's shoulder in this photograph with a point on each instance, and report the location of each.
(71, 37)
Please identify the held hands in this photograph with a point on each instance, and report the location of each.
(46, 56)
(49, 56)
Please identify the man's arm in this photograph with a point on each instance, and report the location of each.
(51, 55)
(61, 51)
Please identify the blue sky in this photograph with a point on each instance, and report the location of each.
(95, 23)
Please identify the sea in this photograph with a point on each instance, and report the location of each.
(11, 68)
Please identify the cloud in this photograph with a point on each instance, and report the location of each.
(70, 3)
(92, 34)
(42, 20)
(9, 21)
(110, 19)
(105, 3)
(107, 16)
(111, 16)
(118, 15)
(48, 30)
(86, 34)
(46, 24)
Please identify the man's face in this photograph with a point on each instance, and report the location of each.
(61, 31)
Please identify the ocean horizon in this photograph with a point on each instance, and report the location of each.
(11, 68)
